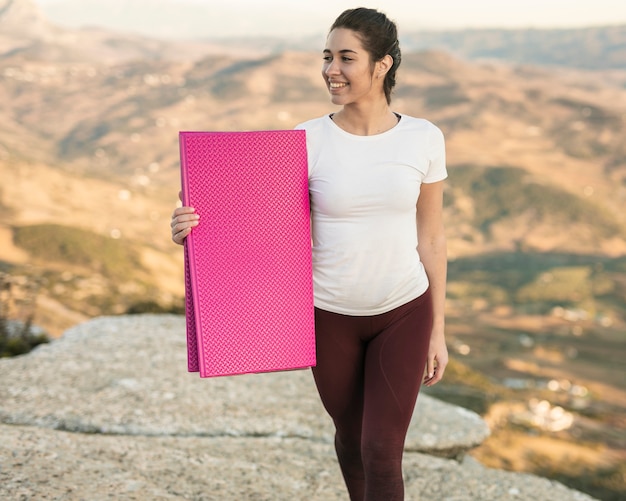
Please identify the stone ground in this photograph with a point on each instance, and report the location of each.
(108, 411)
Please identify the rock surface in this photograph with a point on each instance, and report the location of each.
(108, 411)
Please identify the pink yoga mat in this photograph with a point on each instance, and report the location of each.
(248, 279)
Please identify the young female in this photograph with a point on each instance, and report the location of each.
(379, 254)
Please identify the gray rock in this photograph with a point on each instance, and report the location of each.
(113, 414)
(40, 463)
(128, 375)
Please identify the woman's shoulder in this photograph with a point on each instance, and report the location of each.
(425, 128)
(417, 122)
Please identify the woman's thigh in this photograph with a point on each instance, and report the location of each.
(340, 364)
(394, 369)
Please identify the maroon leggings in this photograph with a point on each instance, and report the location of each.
(368, 374)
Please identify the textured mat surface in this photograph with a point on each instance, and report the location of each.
(248, 263)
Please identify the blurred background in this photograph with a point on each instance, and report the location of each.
(531, 97)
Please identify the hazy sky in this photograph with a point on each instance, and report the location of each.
(463, 13)
(313, 16)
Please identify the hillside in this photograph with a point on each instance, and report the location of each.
(536, 149)
(534, 204)
(595, 48)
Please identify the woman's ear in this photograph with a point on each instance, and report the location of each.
(383, 66)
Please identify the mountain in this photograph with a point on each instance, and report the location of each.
(297, 27)
(89, 126)
(599, 47)
(26, 34)
(24, 19)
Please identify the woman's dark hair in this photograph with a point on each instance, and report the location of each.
(379, 36)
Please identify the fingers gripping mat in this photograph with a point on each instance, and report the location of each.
(248, 279)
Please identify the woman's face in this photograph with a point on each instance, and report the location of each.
(347, 70)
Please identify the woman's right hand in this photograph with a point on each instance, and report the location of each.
(184, 219)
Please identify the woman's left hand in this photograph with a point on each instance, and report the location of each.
(437, 359)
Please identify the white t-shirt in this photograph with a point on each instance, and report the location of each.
(363, 193)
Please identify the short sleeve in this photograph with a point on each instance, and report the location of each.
(437, 156)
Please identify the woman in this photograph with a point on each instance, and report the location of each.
(379, 254)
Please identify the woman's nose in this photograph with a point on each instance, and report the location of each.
(331, 68)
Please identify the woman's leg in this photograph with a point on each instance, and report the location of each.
(339, 380)
(394, 369)
(368, 374)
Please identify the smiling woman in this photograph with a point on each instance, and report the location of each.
(375, 180)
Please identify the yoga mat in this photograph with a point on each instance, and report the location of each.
(248, 278)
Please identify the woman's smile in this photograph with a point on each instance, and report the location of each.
(337, 85)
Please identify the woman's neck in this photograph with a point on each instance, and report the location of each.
(363, 121)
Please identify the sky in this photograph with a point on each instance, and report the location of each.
(303, 17)
(469, 13)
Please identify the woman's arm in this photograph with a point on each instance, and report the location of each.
(432, 249)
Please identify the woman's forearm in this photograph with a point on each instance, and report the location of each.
(433, 253)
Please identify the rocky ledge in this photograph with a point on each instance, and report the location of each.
(108, 411)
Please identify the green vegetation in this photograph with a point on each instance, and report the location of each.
(17, 310)
(91, 273)
(538, 282)
(18, 340)
(55, 243)
(467, 388)
(444, 95)
(151, 306)
(500, 193)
